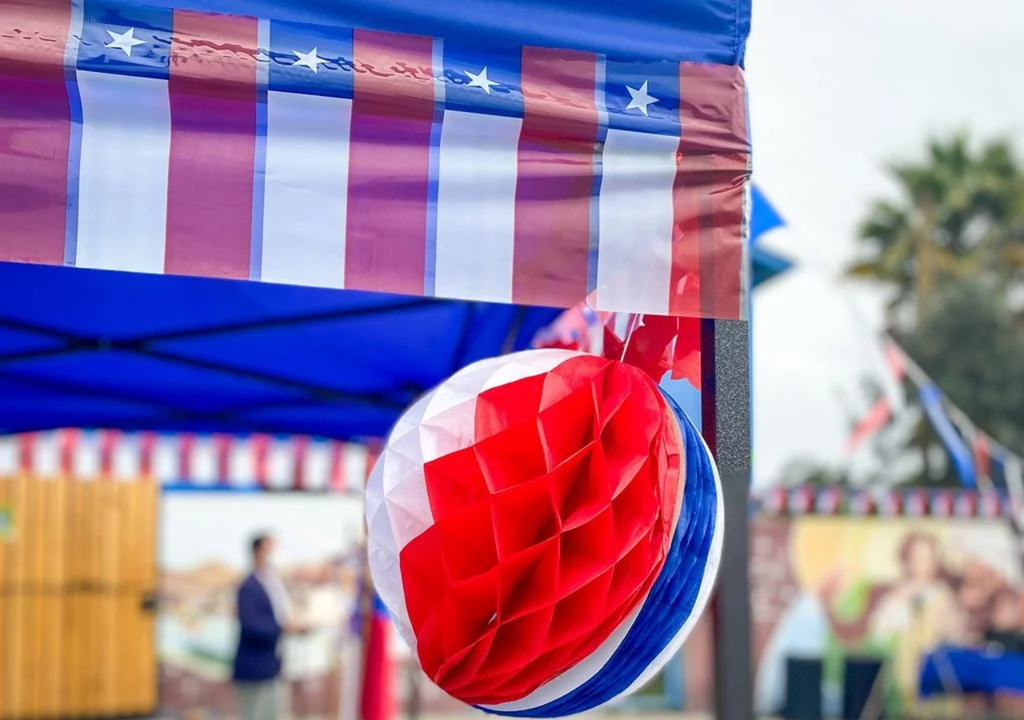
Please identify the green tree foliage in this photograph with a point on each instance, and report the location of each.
(949, 246)
(958, 214)
(972, 346)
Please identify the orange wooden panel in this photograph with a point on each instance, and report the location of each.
(6, 590)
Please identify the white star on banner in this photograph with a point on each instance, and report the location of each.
(124, 41)
(639, 99)
(310, 59)
(481, 80)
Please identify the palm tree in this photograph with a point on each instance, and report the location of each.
(960, 213)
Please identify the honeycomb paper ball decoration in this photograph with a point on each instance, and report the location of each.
(545, 529)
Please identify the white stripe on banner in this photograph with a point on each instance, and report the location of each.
(281, 464)
(10, 464)
(241, 462)
(203, 463)
(122, 189)
(476, 206)
(1013, 474)
(87, 456)
(316, 465)
(46, 455)
(634, 267)
(166, 462)
(355, 461)
(306, 196)
(127, 458)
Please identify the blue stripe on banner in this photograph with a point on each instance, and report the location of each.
(75, 140)
(963, 461)
(310, 59)
(672, 598)
(119, 38)
(487, 81)
(697, 31)
(259, 165)
(434, 170)
(601, 101)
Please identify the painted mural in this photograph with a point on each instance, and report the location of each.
(890, 588)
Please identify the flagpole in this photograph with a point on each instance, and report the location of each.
(726, 424)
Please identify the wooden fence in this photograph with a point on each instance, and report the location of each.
(77, 581)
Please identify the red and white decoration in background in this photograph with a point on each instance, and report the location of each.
(261, 461)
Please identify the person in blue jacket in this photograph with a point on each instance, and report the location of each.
(263, 617)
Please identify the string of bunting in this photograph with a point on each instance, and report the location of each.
(253, 462)
(911, 503)
(979, 460)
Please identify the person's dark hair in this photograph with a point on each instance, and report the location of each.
(258, 541)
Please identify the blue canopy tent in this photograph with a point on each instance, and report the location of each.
(118, 350)
(101, 349)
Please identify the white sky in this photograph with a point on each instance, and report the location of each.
(199, 528)
(837, 88)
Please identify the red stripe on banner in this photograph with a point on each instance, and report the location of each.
(68, 443)
(186, 445)
(337, 469)
(222, 448)
(389, 162)
(108, 441)
(213, 143)
(147, 446)
(714, 160)
(35, 130)
(895, 359)
(299, 445)
(878, 417)
(261, 448)
(555, 177)
(26, 459)
(982, 458)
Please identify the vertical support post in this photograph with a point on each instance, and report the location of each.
(725, 400)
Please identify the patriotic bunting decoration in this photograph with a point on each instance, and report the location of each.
(545, 529)
(978, 459)
(289, 463)
(348, 157)
(912, 503)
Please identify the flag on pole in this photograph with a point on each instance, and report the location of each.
(536, 170)
(881, 412)
(960, 455)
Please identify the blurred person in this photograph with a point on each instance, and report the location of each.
(1004, 630)
(264, 614)
(919, 612)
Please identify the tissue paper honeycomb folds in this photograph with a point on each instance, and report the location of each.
(520, 514)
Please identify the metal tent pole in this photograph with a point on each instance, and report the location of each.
(725, 377)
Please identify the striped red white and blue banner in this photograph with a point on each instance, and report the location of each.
(183, 462)
(161, 140)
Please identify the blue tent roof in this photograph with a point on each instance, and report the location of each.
(88, 348)
(82, 348)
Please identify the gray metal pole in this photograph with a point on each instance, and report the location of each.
(725, 371)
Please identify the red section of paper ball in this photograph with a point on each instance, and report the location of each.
(547, 532)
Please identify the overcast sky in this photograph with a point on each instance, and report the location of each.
(837, 88)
